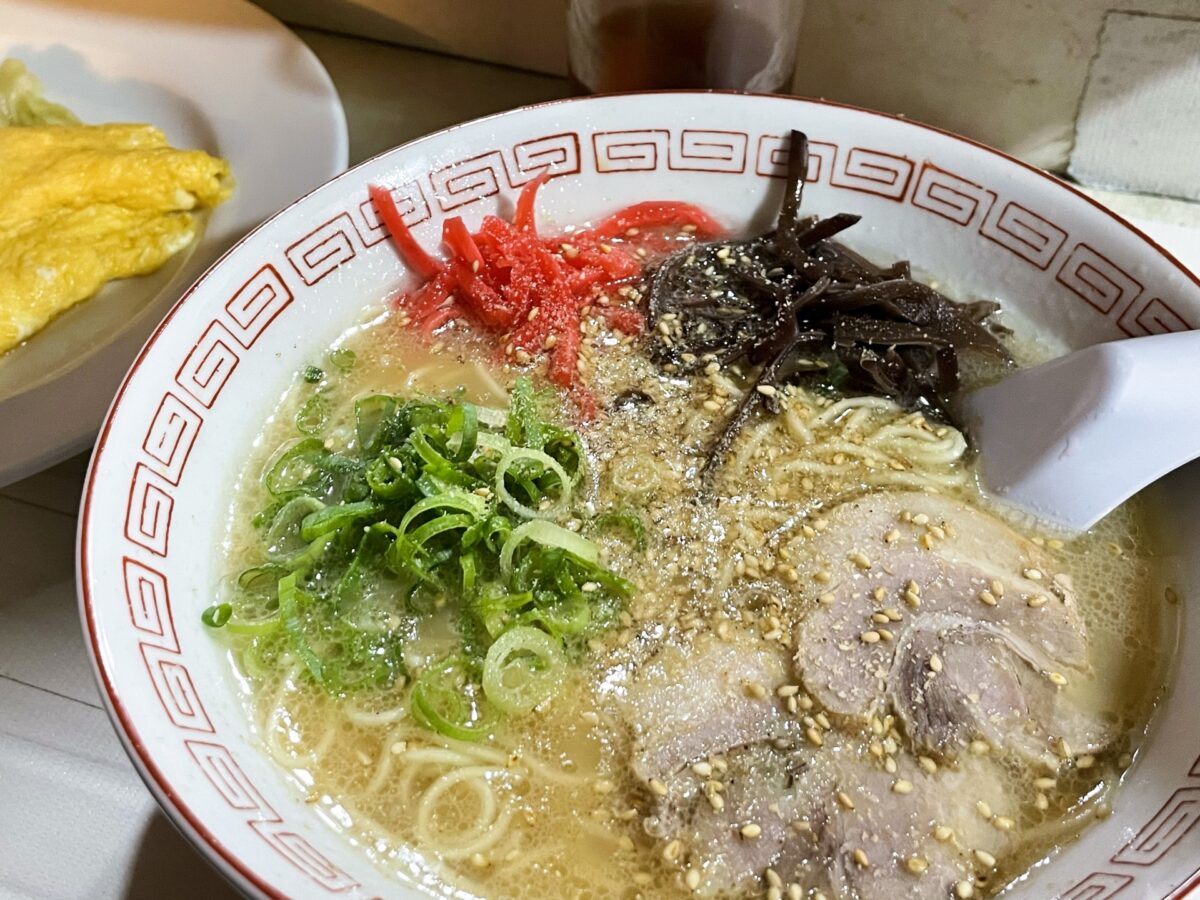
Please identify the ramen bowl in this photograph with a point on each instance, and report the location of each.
(182, 425)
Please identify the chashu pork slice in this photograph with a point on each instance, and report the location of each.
(741, 791)
(947, 616)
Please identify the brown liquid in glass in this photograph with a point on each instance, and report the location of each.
(671, 45)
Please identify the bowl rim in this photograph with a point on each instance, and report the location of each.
(178, 811)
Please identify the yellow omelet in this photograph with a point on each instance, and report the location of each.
(81, 205)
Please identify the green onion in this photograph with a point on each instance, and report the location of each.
(434, 507)
(626, 520)
(216, 615)
(555, 506)
(311, 374)
(325, 519)
(550, 535)
(524, 667)
(285, 537)
(444, 699)
(344, 359)
(312, 415)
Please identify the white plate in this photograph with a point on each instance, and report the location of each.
(222, 76)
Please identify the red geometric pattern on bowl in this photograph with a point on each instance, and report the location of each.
(479, 177)
(230, 782)
(172, 429)
(410, 201)
(772, 157)
(256, 304)
(1098, 280)
(951, 196)
(1023, 232)
(873, 172)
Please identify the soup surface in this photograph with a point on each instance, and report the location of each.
(686, 746)
(643, 562)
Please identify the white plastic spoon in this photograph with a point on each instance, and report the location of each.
(1068, 441)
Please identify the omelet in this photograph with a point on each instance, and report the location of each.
(81, 205)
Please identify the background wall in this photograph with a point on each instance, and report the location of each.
(1011, 73)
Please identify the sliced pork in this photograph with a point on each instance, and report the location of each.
(943, 614)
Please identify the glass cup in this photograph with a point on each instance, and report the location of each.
(634, 45)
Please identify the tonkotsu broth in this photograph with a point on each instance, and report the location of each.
(567, 817)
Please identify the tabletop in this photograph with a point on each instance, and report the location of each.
(75, 819)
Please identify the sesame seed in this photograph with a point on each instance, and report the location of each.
(987, 598)
(1085, 762)
(751, 831)
(716, 801)
(1004, 823)
(603, 786)
(869, 637)
(823, 577)
(1057, 678)
(773, 879)
(916, 865)
(1032, 574)
(1061, 747)
(766, 390)
(479, 861)
(860, 858)
(826, 599)
(980, 748)
(942, 833)
(1045, 784)
(985, 859)
(889, 766)
(928, 766)
(823, 721)
(774, 893)
(702, 769)
(891, 536)
(814, 737)
(844, 800)
(788, 690)
(935, 662)
(795, 892)
(1042, 802)
(692, 879)
(879, 593)
(658, 787)
(860, 559)
(880, 618)
(673, 850)
(625, 842)
(920, 519)
(964, 890)
(884, 634)
(983, 808)
(755, 690)
(901, 786)
(912, 600)
(1035, 602)
(893, 614)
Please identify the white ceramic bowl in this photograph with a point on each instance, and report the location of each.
(179, 429)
